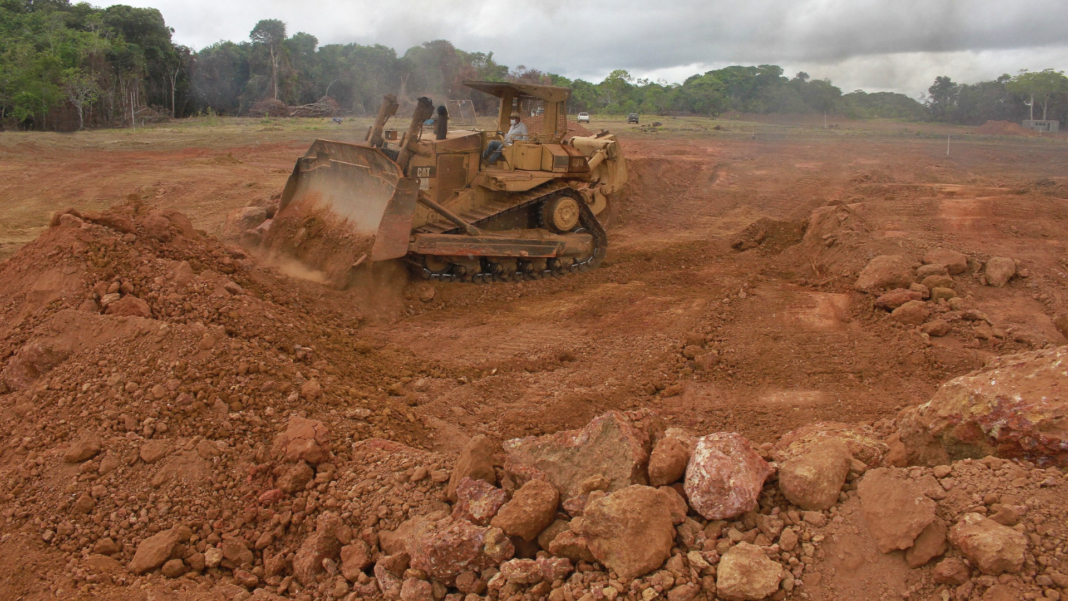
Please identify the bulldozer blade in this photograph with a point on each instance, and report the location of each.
(391, 242)
(343, 202)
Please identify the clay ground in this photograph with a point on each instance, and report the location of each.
(796, 343)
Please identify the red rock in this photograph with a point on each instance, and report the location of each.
(531, 510)
(355, 558)
(546, 537)
(320, 545)
(885, 271)
(912, 313)
(931, 543)
(242, 220)
(106, 546)
(668, 461)
(236, 551)
(999, 270)
(154, 450)
(572, 546)
(533, 571)
(447, 547)
(129, 306)
(725, 476)
(478, 501)
(521, 571)
(174, 568)
(931, 269)
(897, 297)
(863, 443)
(475, 462)
(991, 547)
(1012, 408)
(303, 440)
(676, 504)
(814, 480)
(629, 531)
(685, 592)
(745, 572)
(936, 328)
(939, 281)
(951, 571)
(614, 446)
(414, 589)
(157, 226)
(155, 550)
(954, 262)
(82, 449)
(295, 477)
(895, 509)
(388, 582)
(271, 496)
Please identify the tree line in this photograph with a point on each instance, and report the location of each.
(65, 66)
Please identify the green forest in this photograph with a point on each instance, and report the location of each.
(69, 66)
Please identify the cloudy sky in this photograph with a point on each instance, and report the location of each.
(876, 45)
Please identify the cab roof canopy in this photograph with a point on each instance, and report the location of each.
(501, 88)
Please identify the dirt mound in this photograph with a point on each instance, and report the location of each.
(770, 236)
(1004, 128)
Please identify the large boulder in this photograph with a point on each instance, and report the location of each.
(991, 547)
(885, 272)
(863, 443)
(931, 543)
(321, 544)
(478, 501)
(447, 547)
(746, 573)
(613, 449)
(999, 270)
(667, 464)
(629, 531)
(725, 476)
(475, 462)
(954, 262)
(894, 507)
(531, 510)
(814, 480)
(1015, 407)
(303, 440)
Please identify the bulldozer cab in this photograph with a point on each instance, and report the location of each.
(542, 108)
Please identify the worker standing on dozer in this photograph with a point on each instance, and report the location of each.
(441, 124)
(518, 131)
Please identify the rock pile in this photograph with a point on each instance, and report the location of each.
(213, 436)
(931, 295)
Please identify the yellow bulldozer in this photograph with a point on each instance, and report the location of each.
(431, 198)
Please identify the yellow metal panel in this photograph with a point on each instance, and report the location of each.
(527, 156)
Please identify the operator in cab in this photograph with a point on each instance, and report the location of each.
(517, 131)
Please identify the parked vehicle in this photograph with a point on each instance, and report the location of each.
(583, 118)
(632, 118)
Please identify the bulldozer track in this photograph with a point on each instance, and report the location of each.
(587, 223)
